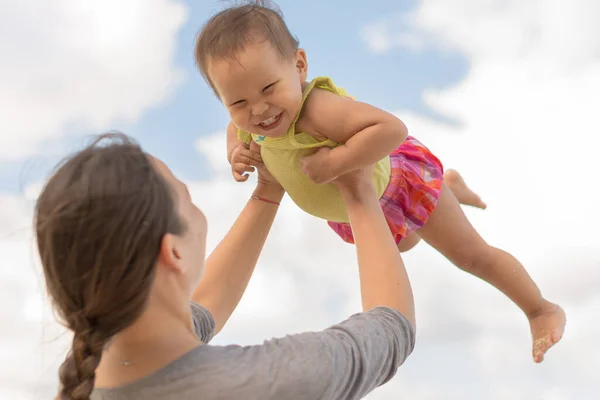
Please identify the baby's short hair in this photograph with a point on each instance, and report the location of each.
(229, 31)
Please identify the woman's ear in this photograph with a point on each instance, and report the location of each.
(169, 255)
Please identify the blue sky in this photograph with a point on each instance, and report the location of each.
(330, 33)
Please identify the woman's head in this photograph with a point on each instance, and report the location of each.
(106, 218)
(254, 65)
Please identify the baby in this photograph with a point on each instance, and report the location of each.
(312, 131)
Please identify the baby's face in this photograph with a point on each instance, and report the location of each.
(262, 92)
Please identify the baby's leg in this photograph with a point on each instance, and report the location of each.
(461, 191)
(449, 231)
(409, 242)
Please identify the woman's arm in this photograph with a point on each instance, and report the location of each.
(346, 361)
(231, 264)
(349, 360)
(383, 278)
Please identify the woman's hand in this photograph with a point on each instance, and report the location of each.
(264, 176)
(318, 166)
(356, 183)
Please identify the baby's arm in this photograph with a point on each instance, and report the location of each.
(366, 133)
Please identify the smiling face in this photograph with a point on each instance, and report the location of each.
(261, 90)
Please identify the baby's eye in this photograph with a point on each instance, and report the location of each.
(269, 87)
(239, 103)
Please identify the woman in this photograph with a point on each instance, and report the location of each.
(122, 248)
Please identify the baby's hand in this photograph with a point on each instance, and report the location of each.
(243, 160)
(317, 166)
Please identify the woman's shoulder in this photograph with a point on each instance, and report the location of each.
(204, 322)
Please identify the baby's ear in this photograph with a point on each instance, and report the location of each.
(301, 62)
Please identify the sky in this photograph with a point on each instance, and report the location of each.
(505, 91)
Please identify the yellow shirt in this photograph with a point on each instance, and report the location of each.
(282, 156)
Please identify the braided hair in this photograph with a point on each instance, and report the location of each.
(99, 223)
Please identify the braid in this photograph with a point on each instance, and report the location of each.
(100, 221)
(78, 372)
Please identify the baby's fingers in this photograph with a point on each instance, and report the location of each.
(240, 171)
(240, 159)
(240, 178)
(249, 157)
(242, 167)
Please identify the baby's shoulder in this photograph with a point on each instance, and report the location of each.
(316, 106)
(308, 119)
(318, 109)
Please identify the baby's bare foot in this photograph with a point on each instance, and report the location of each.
(547, 327)
(461, 191)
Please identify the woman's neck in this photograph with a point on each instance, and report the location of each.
(156, 339)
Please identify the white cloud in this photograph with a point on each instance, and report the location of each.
(68, 62)
(14, 215)
(65, 63)
(382, 36)
(525, 140)
(32, 344)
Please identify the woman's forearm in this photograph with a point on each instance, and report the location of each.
(383, 278)
(231, 264)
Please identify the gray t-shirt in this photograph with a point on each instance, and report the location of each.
(346, 361)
